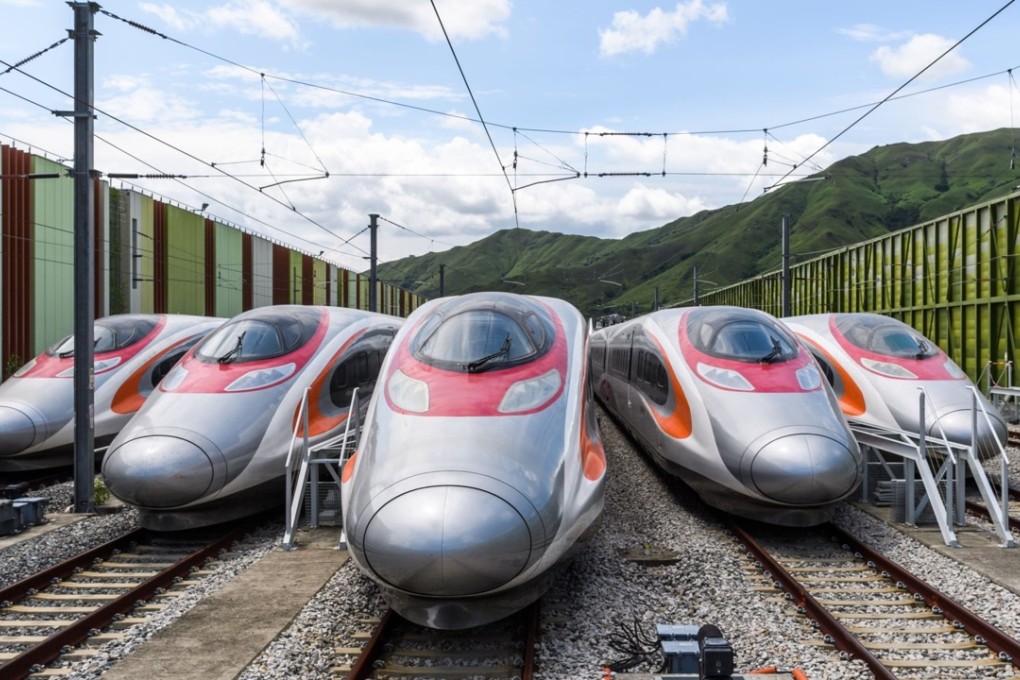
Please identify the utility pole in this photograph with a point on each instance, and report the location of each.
(373, 226)
(786, 265)
(655, 300)
(442, 280)
(84, 247)
(696, 301)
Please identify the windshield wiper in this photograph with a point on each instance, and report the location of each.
(477, 364)
(922, 349)
(776, 351)
(234, 353)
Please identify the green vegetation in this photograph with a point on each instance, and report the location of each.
(861, 197)
(100, 494)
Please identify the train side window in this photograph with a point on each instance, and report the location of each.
(341, 388)
(661, 380)
(350, 373)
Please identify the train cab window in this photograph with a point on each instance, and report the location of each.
(883, 335)
(474, 336)
(261, 335)
(741, 335)
(110, 334)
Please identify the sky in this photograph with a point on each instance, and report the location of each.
(453, 119)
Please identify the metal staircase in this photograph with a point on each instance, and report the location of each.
(942, 467)
(304, 469)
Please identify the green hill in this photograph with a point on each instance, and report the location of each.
(857, 198)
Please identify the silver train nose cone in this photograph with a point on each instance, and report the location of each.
(447, 541)
(957, 426)
(158, 471)
(17, 431)
(805, 469)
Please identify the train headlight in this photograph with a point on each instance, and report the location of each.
(525, 395)
(809, 378)
(887, 368)
(98, 367)
(953, 370)
(263, 377)
(105, 364)
(724, 377)
(408, 393)
(173, 379)
(24, 369)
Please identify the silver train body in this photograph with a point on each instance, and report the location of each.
(480, 469)
(727, 399)
(132, 353)
(876, 365)
(210, 444)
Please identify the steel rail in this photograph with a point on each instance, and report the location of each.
(38, 581)
(980, 509)
(363, 665)
(841, 638)
(1007, 647)
(49, 649)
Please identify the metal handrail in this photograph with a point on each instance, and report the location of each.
(997, 511)
(292, 509)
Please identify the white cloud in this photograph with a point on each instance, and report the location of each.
(872, 33)
(471, 20)
(248, 17)
(168, 14)
(632, 32)
(139, 102)
(910, 57)
(254, 17)
(962, 116)
(646, 204)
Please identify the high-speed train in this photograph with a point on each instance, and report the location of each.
(480, 469)
(876, 364)
(727, 399)
(132, 353)
(210, 445)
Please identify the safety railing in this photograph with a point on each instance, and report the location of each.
(942, 467)
(993, 381)
(304, 462)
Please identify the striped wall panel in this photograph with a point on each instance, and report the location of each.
(229, 271)
(262, 272)
(16, 222)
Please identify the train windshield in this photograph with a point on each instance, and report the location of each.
(741, 335)
(883, 335)
(110, 334)
(262, 335)
(480, 335)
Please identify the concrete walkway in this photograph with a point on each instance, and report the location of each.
(224, 632)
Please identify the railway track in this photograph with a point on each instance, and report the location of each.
(399, 649)
(43, 617)
(871, 609)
